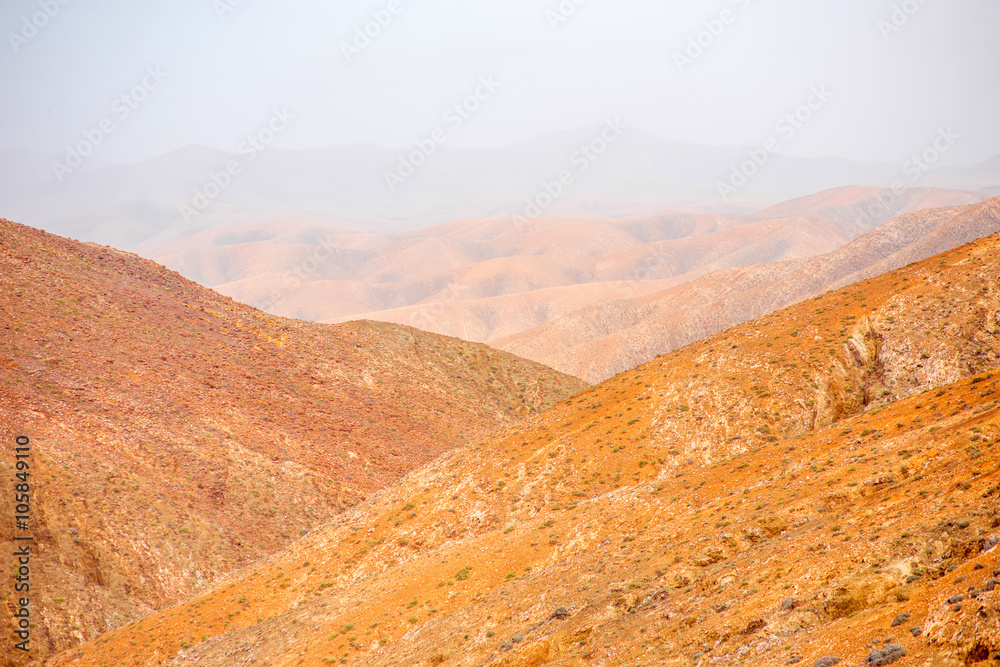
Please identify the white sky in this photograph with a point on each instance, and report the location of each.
(611, 57)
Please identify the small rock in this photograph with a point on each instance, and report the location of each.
(955, 598)
(794, 659)
(991, 585)
(828, 661)
(913, 577)
(562, 613)
(916, 631)
(697, 656)
(978, 566)
(888, 655)
(957, 608)
(991, 543)
(899, 620)
(789, 603)
(517, 639)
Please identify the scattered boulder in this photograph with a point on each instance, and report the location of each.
(899, 620)
(789, 604)
(826, 662)
(991, 585)
(711, 556)
(793, 622)
(858, 593)
(561, 613)
(886, 656)
(955, 598)
(916, 631)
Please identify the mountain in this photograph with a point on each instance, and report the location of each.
(347, 186)
(177, 435)
(820, 482)
(601, 340)
(486, 279)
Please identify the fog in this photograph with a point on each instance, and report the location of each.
(896, 71)
(88, 86)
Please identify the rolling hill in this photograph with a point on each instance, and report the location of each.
(821, 482)
(599, 341)
(178, 435)
(486, 279)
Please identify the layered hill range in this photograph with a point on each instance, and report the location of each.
(140, 205)
(818, 483)
(601, 340)
(177, 435)
(589, 297)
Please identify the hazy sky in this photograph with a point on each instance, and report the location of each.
(227, 64)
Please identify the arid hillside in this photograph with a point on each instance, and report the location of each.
(820, 482)
(488, 278)
(597, 342)
(178, 435)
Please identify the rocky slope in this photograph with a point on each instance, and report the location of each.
(597, 342)
(818, 483)
(178, 435)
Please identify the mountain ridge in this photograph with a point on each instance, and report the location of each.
(601, 340)
(779, 492)
(178, 434)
